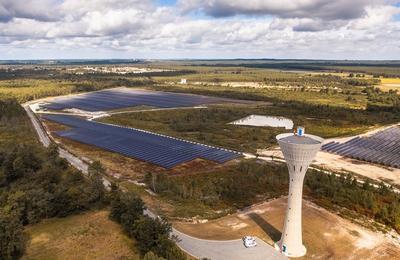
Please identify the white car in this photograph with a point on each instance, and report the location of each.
(249, 241)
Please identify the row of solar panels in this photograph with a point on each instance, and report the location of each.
(121, 98)
(158, 149)
(382, 147)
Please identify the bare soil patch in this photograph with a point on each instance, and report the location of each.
(326, 235)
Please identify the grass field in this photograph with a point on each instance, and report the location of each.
(358, 100)
(29, 89)
(87, 236)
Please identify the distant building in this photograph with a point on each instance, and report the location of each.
(183, 81)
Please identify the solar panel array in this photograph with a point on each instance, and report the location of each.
(158, 149)
(382, 147)
(123, 97)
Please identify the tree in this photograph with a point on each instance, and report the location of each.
(96, 168)
(150, 232)
(126, 208)
(12, 239)
(168, 249)
(151, 256)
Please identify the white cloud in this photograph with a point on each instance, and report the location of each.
(42, 10)
(323, 9)
(134, 28)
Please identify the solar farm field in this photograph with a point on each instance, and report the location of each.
(124, 97)
(382, 147)
(160, 150)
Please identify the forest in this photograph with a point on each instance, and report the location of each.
(152, 235)
(253, 181)
(379, 100)
(35, 184)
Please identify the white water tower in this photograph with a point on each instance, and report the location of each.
(299, 151)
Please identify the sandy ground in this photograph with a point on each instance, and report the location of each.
(325, 235)
(334, 162)
(337, 163)
(373, 171)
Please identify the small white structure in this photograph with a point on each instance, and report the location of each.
(299, 150)
(249, 241)
(183, 81)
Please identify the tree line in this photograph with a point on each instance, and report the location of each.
(152, 235)
(252, 181)
(35, 183)
(379, 100)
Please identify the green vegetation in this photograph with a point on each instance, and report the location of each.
(88, 235)
(226, 75)
(379, 203)
(276, 95)
(30, 83)
(253, 181)
(235, 186)
(383, 101)
(152, 235)
(376, 68)
(211, 126)
(29, 89)
(35, 183)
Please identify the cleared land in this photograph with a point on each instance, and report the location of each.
(325, 235)
(87, 236)
(390, 84)
(337, 163)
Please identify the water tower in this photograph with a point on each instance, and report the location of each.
(299, 150)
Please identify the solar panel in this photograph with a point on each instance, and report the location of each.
(123, 97)
(382, 147)
(158, 149)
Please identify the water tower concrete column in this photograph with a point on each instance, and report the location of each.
(299, 150)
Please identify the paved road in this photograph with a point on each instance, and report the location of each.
(223, 249)
(45, 140)
(199, 248)
(230, 249)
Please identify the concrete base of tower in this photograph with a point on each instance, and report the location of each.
(290, 253)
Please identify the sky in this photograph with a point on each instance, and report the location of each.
(200, 29)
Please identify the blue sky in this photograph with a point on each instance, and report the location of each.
(166, 2)
(320, 29)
